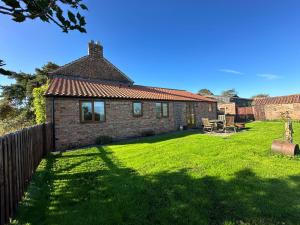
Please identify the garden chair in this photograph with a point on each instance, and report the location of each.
(221, 118)
(207, 125)
(229, 123)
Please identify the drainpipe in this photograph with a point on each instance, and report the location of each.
(53, 124)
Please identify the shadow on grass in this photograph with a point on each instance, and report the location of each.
(160, 137)
(115, 194)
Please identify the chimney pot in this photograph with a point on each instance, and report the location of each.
(95, 50)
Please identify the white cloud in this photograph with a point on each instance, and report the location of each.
(230, 71)
(269, 76)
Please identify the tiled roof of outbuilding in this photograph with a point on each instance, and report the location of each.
(277, 100)
(87, 88)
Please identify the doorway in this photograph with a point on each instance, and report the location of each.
(190, 114)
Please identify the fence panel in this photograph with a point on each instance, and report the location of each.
(20, 154)
(244, 114)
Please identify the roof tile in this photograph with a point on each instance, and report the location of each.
(289, 99)
(60, 86)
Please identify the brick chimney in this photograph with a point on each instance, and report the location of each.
(95, 50)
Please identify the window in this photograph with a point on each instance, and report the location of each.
(99, 112)
(165, 109)
(137, 109)
(162, 109)
(86, 111)
(158, 110)
(92, 111)
(209, 107)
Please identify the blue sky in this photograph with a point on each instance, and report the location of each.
(252, 46)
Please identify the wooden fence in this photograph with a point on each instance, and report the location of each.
(20, 154)
(244, 113)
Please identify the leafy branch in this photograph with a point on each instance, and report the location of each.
(47, 11)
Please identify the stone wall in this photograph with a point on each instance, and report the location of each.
(120, 123)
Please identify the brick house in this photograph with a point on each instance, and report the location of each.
(271, 108)
(90, 97)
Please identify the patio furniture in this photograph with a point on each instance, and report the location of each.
(221, 118)
(207, 125)
(229, 123)
(240, 125)
(217, 123)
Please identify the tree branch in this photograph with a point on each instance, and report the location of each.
(5, 8)
(6, 13)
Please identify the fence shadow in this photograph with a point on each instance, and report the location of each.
(114, 194)
(159, 137)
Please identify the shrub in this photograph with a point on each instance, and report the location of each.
(102, 140)
(147, 133)
(13, 124)
(39, 103)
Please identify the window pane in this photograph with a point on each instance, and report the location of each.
(158, 109)
(165, 109)
(99, 111)
(86, 111)
(137, 108)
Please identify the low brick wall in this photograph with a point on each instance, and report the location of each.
(120, 123)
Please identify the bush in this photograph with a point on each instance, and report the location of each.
(39, 103)
(147, 133)
(13, 124)
(102, 140)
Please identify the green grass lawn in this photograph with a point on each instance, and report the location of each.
(185, 178)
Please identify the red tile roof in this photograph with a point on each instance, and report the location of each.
(87, 88)
(277, 100)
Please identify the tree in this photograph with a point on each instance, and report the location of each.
(205, 91)
(261, 96)
(6, 110)
(19, 94)
(47, 11)
(229, 93)
(3, 71)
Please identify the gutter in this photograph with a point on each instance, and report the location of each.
(53, 124)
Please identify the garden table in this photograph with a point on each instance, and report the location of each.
(216, 122)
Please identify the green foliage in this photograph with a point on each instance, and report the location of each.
(183, 178)
(39, 103)
(18, 97)
(17, 122)
(2, 70)
(229, 93)
(103, 140)
(262, 95)
(6, 110)
(47, 11)
(205, 91)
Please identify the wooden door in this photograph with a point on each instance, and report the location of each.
(190, 114)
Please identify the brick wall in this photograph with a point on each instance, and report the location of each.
(230, 108)
(272, 111)
(202, 111)
(119, 123)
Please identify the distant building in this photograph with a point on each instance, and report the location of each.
(229, 105)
